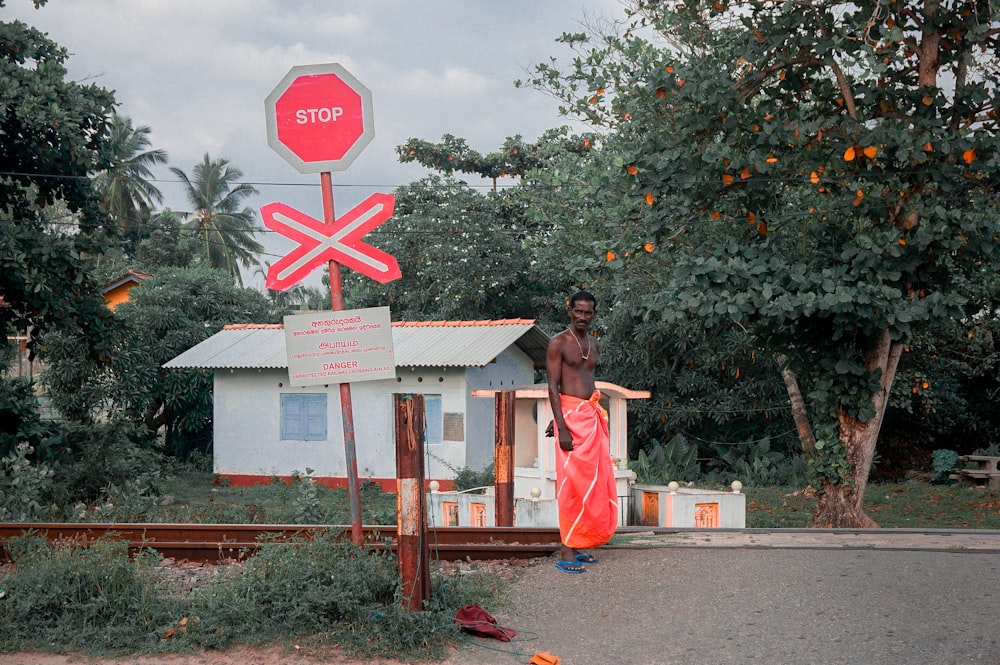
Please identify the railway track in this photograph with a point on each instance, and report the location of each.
(211, 543)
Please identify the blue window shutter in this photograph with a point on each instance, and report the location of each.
(435, 419)
(315, 418)
(303, 417)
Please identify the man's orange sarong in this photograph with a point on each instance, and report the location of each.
(585, 477)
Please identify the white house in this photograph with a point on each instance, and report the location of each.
(265, 428)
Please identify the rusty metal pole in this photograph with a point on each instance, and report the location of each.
(346, 409)
(411, 510)
(503, 456)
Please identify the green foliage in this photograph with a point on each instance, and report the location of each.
(320, 591)
(51, 221)
(992, 450)
(467, 478)
(944, 462)
(166, 315)
(949, 376)
(306, 505)
(461, 254)
(194, 498)
(224, 230)
(96, 461)
(675, 461)
(20, 416)
(126, 183)
(297, 587)
(830, 463)
(516, 158)
(819, 189)
(168, 245)
(759, 466)
(24, 487)
(82, 598)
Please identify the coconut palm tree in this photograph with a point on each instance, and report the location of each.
(225, 231)
(125, 185)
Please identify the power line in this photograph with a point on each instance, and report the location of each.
(798, 176)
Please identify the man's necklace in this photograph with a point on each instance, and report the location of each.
(585, 356)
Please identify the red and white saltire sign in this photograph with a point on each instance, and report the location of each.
(320, 243)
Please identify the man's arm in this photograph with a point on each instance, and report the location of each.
(553, 369)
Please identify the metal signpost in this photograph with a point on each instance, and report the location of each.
(319, 118)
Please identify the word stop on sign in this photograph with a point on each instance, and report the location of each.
(325, 114)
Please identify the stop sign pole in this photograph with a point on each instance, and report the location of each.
(319, 118)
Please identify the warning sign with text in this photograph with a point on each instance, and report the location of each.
(339, 346)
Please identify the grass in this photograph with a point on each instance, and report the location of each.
(910, 504)
(324, 592)
(194, 497)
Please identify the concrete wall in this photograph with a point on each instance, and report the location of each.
(512, 369)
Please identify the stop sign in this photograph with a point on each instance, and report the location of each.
(319, 118)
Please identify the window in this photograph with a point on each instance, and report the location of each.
(434, 419)
(303, 417)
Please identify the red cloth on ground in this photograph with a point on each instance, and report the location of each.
(586, 492)
(476, 620)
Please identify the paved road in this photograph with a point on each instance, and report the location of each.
(800, 598)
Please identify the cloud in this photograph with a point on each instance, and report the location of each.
(197, 73)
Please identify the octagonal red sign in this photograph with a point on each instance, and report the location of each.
(319, 118)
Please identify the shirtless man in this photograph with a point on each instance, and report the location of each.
(571, 360)
(586, 492)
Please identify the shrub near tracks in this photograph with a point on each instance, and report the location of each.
(318, 591)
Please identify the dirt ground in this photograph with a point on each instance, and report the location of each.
(239, 656)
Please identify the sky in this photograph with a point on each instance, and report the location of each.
(197, 73)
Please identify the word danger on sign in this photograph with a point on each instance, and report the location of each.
(339, 347)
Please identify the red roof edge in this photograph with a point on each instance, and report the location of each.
(400, 324)
(443, 324)
(253, 326)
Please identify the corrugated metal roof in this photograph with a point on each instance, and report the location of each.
(415, 344)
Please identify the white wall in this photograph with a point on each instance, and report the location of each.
(512, 369)
(248, 427)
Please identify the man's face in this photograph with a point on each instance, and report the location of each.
(581, 314)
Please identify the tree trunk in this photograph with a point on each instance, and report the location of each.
(798, 403)
(841, 504)
(155, 417)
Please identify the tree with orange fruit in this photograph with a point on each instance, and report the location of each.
(822, 174)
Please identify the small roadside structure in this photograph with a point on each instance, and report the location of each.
(265, 429)
(535, 461)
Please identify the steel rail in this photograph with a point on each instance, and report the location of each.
(212, 543)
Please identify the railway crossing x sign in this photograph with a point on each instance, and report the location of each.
(340, 242)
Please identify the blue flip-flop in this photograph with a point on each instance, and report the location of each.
(570, 567)
(583, 557)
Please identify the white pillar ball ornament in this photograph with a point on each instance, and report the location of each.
(535, 492)
(737, 486)
(434, 485)
(673, 486)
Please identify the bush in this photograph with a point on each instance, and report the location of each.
(943, 462)
(20, 416)
(88, 598)
(320, 591)
(107, 457)
(660, 464)
(25, 488)
(467, 479)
